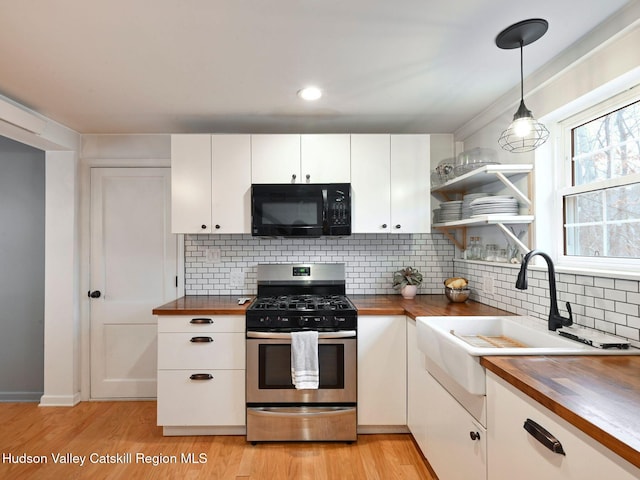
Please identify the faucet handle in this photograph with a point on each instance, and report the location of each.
(568, 305)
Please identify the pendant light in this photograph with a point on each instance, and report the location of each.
(525, 133)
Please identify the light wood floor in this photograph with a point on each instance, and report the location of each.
(119, 428)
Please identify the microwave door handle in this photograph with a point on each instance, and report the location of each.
(325, 209)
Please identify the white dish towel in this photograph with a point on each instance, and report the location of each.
(305, 373)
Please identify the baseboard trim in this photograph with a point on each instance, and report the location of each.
(26, 397)
(60, 400)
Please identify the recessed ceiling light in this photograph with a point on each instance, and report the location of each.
(310, 93)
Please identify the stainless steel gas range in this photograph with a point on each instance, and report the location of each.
(293, 298)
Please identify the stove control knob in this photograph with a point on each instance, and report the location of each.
(265, 320)
(302, 321)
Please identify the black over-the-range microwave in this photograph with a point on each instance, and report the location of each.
(301, 210)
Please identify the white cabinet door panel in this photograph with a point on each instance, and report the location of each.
(275, 158)
(382, 379)
(191, 183)
(325, 158)
(451, 450)
(514, 453)
(418, 398)
(370, 183)
(410, 184)
(203, 350)
(231, 183)
(215, 401)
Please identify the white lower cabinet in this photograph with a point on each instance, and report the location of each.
(201, 374)
(216, 399)
(382, 378)
(417, 388)
(515, 453)
(456, 442)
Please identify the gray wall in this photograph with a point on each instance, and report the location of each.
(22, 184)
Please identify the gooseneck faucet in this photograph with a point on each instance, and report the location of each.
(555, 319)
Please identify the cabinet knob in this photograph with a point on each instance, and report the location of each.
(217, 227)
(474, 435)
(384, 225)
(398, 226)
(203, 226)
(95, 294)
(308, 176)
(293, 177)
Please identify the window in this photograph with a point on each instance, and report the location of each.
(601, 204)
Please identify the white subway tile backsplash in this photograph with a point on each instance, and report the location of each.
(606, 304)
(370, 260)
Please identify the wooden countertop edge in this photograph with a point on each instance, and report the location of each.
(598, 434)
(199, 311)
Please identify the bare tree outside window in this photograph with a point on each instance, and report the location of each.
(603, 218)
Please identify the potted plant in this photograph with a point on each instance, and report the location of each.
(407, 281)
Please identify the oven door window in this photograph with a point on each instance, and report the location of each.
(275, 366)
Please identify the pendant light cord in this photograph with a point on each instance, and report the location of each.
(521, 71)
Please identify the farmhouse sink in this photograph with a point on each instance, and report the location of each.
(455, 344)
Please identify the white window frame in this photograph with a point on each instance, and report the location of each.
(624, 266)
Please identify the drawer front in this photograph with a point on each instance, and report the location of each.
(201, 350)
(215, 401)
(201, 323)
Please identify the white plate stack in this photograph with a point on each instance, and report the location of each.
(450, 211)
(498, 204)
(466, 203)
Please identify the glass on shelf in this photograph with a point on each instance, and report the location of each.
(491, 252)
(474, 250)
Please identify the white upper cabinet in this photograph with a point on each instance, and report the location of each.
(231, 183)
(325, 158)
(390, 183)
(275, 158)
(190, 183)
(370, 183)
(300, 158)
(210, 183)
(410, 184)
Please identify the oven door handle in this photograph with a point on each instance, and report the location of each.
(287, 335)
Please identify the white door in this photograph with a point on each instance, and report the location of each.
(133, 266)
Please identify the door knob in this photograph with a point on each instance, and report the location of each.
(95, 294)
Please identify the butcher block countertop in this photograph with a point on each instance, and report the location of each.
(599, 395)
(431, 305)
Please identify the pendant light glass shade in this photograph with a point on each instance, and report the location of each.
(525, 133)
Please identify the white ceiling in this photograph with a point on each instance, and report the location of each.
(170, 66)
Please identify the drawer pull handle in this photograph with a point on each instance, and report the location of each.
(201, 339)
(543, 436)
(201, 321)
(201, 376)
